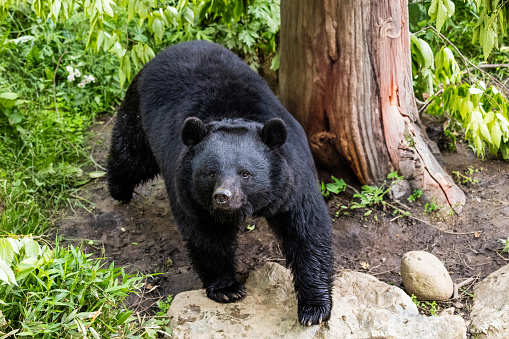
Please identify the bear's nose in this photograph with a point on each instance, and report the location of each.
(222, 196)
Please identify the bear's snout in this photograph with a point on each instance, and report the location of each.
(226, 199)
(222, 197)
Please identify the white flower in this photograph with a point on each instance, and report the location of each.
(81, 85)
(69, 69)
(70, 77)
(91, 78)
(77, 73)
(86, 80)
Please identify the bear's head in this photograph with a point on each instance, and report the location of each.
(234, 164)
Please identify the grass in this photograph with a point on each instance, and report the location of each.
(43, 123)
(429, 308)
(63, 292)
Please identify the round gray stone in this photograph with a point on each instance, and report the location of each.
(425, 276)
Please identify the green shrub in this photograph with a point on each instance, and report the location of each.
(63, 292)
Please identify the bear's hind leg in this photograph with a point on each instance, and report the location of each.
(130, 159)
(130, 162)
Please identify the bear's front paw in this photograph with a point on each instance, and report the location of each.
(120, 193)
(313, 315)
(228, 294)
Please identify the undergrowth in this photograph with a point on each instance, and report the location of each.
(63, 292)
(459, 82)
(43, 123)
(369, 197)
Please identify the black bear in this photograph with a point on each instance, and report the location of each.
(226, 148)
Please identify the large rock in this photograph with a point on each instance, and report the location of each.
(364, 307)
(425, 276)
(490, 313)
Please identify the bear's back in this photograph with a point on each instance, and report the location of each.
(207, 81)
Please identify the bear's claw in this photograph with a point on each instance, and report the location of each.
(228, 294)
(313, 315)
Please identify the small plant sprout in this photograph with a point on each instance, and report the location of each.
(428, 307)
(336, 187)
(468, 177)
(430, 208)
(250, 227)
(415, 196)
(505, 242)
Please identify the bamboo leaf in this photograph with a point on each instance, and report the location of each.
(489, 118)
(107, 7)
(158, 28)
(441, 15)
(15, 245)
(485, 133)
(489, 42)
(433, 9)
(474, 90)
(427, 53)
(6, 251)
(496, 134)
(131, 6)
(6, 273)
(100, 40)
(31, 247)
(450, 7)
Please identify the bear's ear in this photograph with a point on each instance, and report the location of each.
(274, 133)
(193, 131)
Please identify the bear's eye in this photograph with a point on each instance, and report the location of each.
(211, 175)
(245, 174)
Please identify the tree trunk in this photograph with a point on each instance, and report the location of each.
(346, 75)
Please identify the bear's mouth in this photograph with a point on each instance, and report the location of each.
(230, 215)
(230, 208)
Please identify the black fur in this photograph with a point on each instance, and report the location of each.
(226, 149)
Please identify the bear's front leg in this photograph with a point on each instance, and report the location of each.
(212, 254)
(305, 234)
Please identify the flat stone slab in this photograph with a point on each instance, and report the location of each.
(363, 307)
(490, 313)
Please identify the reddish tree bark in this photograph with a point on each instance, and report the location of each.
(346, 75)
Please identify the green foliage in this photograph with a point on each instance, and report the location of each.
(467, 177)
(491, 26)
(415, 196)
(441, 10)
(431, 208)
(369, 197)
(129, 29)
(481, 111)
(336, 186)
(52, 293)
(467, 105)
(431, 308)
(164, 306)
(505, 242)
(42, 148)
(161, 319)
(423, 62)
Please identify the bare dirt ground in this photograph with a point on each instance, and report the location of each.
(143, 236)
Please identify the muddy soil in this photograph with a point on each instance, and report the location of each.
(143, 236)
